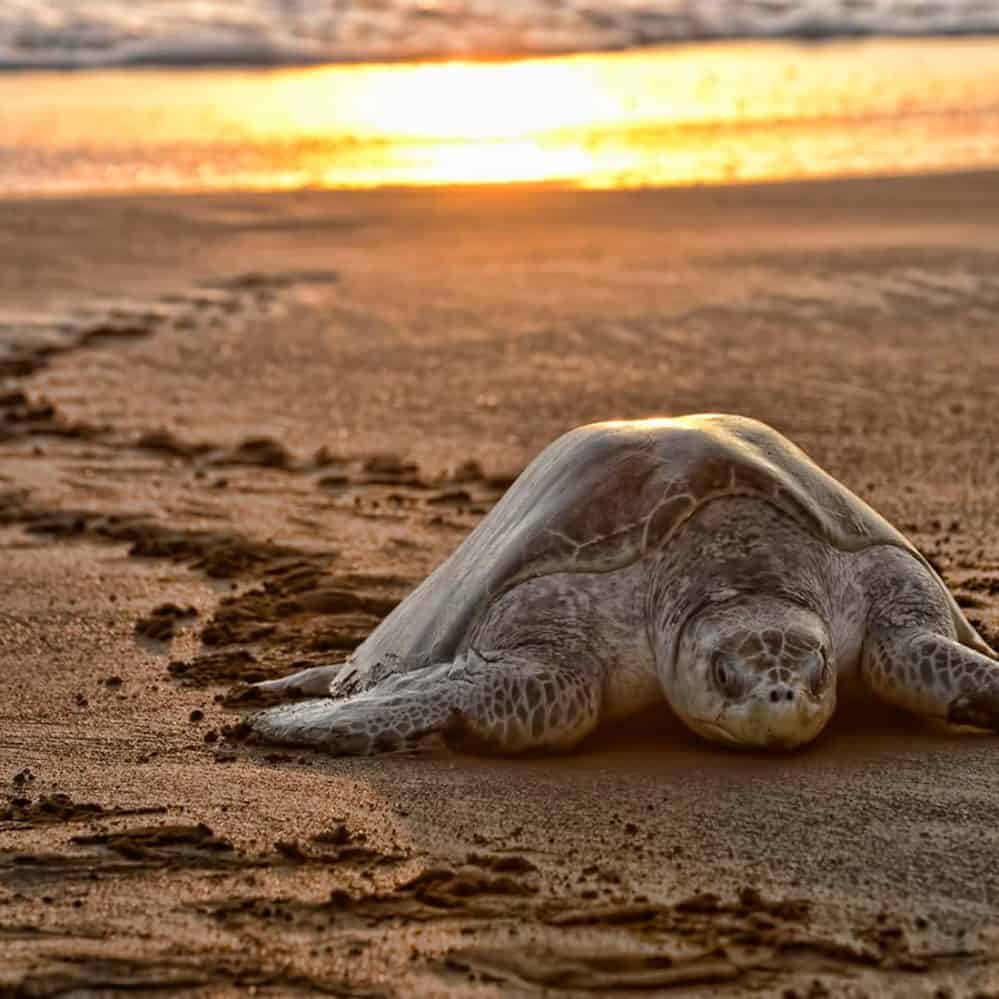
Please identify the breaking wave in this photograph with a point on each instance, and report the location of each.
(48, 34)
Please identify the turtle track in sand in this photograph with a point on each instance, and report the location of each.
(299, 613)
(79, 973)
(542, 941)
(495, 918)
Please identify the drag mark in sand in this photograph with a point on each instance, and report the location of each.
(27, 343)
(571, 942)
(300, 613)
(77, 956)
(74, 974)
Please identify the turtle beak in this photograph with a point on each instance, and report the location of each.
(784, 715)
(769, 719)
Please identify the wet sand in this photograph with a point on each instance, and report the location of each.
(237, 429)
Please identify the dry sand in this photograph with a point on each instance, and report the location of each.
(277, 413)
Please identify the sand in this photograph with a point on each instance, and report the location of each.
(237, 429)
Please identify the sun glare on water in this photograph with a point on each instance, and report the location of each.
(470, 101)
(694, 114)
(450, 123)
(691, 114)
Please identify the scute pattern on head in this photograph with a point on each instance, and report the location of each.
(599, 498)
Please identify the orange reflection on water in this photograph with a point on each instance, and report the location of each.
(709, 113)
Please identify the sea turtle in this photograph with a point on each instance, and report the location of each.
(704, 559)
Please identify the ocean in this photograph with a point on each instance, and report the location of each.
(108, 96)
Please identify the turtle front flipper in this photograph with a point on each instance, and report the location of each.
(911, 654)
(933, 675)
(498, 703)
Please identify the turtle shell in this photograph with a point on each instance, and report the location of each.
(599, 498)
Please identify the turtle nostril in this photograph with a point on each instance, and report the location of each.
(789, 696)
(774, 696)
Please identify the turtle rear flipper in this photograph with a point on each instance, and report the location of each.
(312, 682)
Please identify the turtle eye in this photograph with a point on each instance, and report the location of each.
(817, 672)
(725, 675)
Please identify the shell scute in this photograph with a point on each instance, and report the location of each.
(665, 518)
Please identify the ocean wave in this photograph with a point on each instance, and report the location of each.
(92, 33)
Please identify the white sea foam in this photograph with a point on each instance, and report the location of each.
(82, 33)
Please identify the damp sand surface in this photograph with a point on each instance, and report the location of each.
(237, 429)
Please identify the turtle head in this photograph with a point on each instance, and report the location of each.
(754, 671)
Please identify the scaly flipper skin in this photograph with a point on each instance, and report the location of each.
(933, 675)
(911, 658)
(504, 704)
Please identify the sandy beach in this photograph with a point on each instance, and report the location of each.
(238, 428)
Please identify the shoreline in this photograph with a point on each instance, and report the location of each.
(795, 187)
(506, 188)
